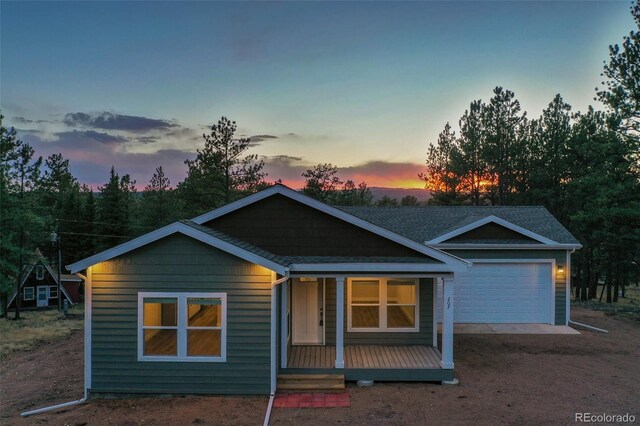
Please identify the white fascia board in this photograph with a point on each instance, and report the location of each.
(174, 228)
(453, 246)
(491, 219)
(332, 211)
(378, 267)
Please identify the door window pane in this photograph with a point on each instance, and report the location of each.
(365, 292)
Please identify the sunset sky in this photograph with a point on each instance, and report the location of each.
(365, 86)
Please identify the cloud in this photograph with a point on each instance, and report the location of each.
(91, 155)
(147, 139)
(89, 135)
(260, 138)
(110, 121)
(23, 120)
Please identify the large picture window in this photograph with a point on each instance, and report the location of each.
(380, 304)
(181, 327)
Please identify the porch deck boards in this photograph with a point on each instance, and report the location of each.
(365, 356)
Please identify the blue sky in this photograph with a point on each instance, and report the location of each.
(365, 86)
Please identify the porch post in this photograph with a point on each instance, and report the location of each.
(284, 324)
(339, 322)
(447, 321)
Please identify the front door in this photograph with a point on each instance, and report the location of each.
(43, 297)
(307, 313)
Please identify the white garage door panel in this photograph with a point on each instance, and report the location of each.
(502, 293)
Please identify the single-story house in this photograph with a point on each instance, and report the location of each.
(39, 285)
(278, 283)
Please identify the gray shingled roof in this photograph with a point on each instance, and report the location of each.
(425, 223)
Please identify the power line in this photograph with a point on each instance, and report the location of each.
(105, 223)
(94, 235)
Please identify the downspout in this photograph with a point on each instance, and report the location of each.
(64, 404)
(274, 342)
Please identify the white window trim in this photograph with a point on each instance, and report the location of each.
(382, 307)
(182, 327)
(33, 293)
(49, 292)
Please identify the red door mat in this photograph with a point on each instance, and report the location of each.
(312, 400)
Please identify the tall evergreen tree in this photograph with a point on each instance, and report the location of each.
(222, 171)
(321, 182)
(503, 145)
(550, 139)
(440, 177)
(157, 206)
(22, 226)
(621, 91)
(467, 161)
(115, 208)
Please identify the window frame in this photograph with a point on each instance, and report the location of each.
(33, 293)
(49, 292)
(182, 327)
(382, 306)
(39, 272)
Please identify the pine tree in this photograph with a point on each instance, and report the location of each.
(221, 171)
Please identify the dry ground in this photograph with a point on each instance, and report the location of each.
(37, 327)
(504, 379)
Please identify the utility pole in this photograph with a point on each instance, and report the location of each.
(55, 236)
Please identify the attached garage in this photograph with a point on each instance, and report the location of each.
(504, 292)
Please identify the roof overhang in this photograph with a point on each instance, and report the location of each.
(175, 228)
(377, 267)
(451, 261)
(491, 219)
(452, 246)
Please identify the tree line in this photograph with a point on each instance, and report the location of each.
(583, 166)
(42, 204)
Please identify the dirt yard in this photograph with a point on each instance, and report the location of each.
(504, 379)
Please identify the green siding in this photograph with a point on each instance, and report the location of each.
(560, 256)
(177, 264)
(422, 337)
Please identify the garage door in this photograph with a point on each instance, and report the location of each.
(502, 293)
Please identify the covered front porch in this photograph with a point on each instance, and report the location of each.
(373, 326)
(366, 356)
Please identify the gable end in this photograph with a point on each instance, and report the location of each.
(492, 232)
(287, 227)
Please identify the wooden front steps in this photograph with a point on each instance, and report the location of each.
(311, 382)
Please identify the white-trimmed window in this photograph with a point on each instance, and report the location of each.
(40, 272)
(53, 292)
(183, 327)
(28, 293)
(382, 304)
